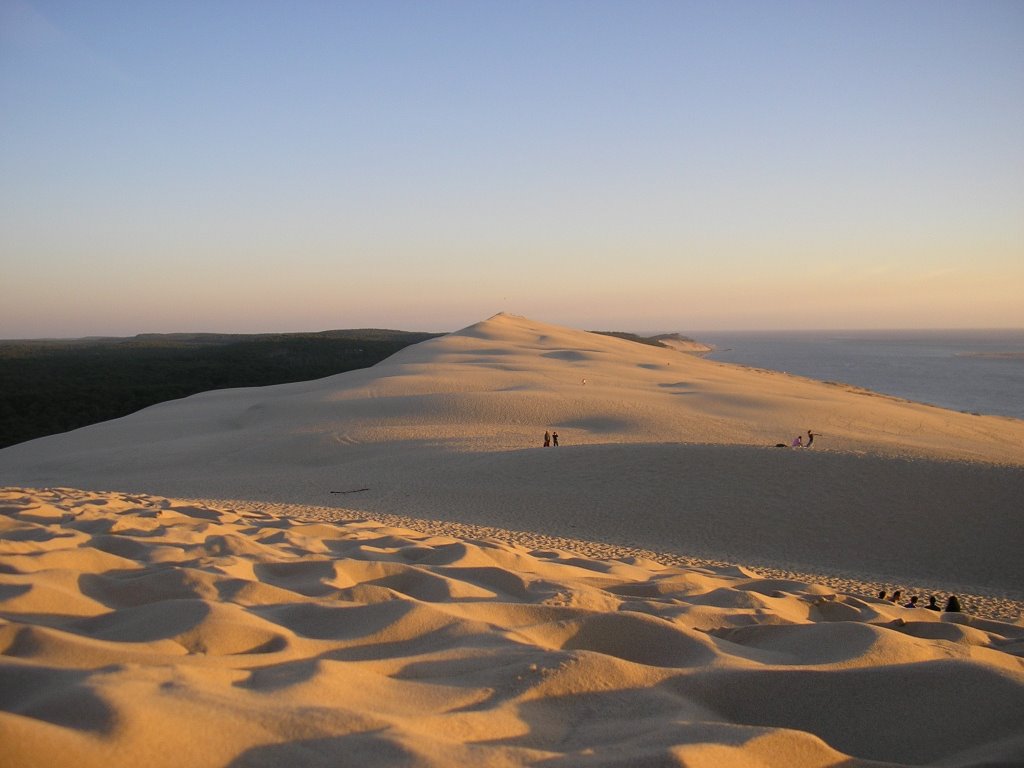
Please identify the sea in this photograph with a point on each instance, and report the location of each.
(975, 371)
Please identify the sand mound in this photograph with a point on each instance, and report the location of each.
(545, 606)
(496, 386)
(140, 630)
(659, 450)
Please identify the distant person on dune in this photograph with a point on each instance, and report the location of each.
(798, 442)
(932, 604)
(953, 604)
(547, 439)
(554, 439)
(912, 603)
(810, 438)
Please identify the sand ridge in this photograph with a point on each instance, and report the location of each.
(660, 450)
(130, 620)
(411, 579)
(496, 386)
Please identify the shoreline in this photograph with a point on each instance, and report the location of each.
(840, 355)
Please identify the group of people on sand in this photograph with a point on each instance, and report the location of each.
(798, 441)
(550, 439)
(952, 602)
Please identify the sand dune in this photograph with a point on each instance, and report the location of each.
(660, 450)
(140, 630)
(410, 579)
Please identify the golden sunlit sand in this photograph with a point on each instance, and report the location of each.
(385, 568)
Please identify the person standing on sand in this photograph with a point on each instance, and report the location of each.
(547, 439)
(554, 439)
(810, 438)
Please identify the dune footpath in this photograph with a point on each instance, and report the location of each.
(989, 603)
(140, 630)
(384, 567)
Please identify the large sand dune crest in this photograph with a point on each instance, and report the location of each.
(498, 384)
(659, 449)
(415, 581)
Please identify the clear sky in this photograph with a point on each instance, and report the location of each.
(259, 165)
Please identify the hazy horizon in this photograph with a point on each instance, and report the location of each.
(262, 167)
(593, 328)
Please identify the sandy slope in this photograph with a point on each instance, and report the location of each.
(659, 449)
(142, 630)
(139, 630)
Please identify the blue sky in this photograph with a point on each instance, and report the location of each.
(258, 166)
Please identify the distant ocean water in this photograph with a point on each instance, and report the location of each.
(974, 371)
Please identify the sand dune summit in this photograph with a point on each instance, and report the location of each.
(660, 450)
(388, 569)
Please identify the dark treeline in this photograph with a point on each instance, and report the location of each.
(55, 386)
